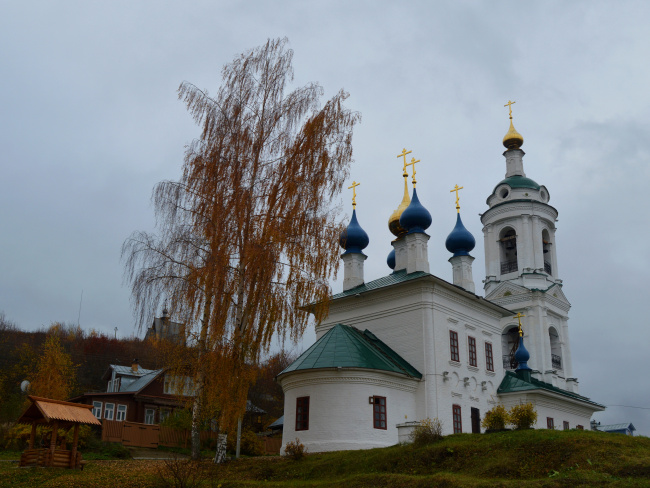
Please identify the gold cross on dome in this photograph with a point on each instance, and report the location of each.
(509, 105)
(403, 155)
(456, 188)
(354, 193)
(412, 163)
(518, 317)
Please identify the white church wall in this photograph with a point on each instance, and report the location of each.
(340, 415)
(556, 407)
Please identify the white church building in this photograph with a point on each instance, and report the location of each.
(411, 346)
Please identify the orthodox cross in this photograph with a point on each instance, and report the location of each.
(456, 188)
(354, 193)
(403, 155)
(509, 105)
(412, 163)
(518, 317)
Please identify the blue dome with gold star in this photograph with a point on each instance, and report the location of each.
(354, 239)
(415, 218)
(460, 241)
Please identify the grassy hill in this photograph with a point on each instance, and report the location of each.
(537, 458)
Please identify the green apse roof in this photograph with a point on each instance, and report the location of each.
(518, 182)
(392, 279)
(512, 383)
(347, 347)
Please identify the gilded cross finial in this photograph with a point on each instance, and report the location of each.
(456, 188)
(509, 105)
(518, 317)
(354, 193)
(412, 163)
(403, 155)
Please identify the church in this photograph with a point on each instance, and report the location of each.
(411, 346)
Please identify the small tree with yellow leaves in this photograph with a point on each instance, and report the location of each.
(523, 416)
(55, 374)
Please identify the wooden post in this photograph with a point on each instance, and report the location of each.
(73, 454)
(32, 437)
(55, 430)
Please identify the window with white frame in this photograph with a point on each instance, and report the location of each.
(109, 410)
(149, 415)
(178, 385)
(121, 412)
(97, 409)
(164, 414)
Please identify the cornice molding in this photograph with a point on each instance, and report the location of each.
(299, 379)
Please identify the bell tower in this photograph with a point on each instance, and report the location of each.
(521, 267)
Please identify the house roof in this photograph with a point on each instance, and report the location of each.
(612, 427)
(141, 382)
(512, 383)
(347, 347)
(278, 424)
(46, 410)
(402, 276)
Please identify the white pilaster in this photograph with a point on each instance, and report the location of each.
(417, 253)
(401, 257)
(352, 270)
(462, 271)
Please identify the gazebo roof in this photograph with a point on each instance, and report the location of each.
(46, 410)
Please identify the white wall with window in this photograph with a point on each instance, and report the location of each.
(109, 410)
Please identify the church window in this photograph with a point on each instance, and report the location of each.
(302, 413)
(509, 345)
(580, 427)
(453, 344)
(471, 342)
(489, 358)
(546, 247)
(508, 244)
(556, 348)
(549, 423)
(565, 425)
(458, 421)
(379, 412)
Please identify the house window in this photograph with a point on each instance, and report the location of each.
(108, 411)
(149, 415)
(453, 345)
(489, 358)
(549, 423)
(121, 412)
(178, 385)
(302, 413)
(471, 342)
(565, 425)
(458, 421)
(164, 414)
(379, 412)
(97, 409)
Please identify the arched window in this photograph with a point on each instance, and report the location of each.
(556, 349)
(508, 242)
(546, 246)
(509, 344)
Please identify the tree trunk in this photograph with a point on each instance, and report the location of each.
(200, 379)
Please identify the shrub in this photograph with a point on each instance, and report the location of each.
(428, 432)
(523, 416)
(496, 418)
(182, 473)
(295, 450)
(250, 444)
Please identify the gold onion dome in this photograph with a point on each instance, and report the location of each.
(393, 221)
(513, 139)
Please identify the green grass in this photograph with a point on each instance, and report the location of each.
(534, 458)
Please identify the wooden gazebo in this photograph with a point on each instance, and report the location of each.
(55, 414)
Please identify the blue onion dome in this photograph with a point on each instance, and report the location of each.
(390, 260)
(353, 239)
(415, 218)
(460, 241)
(522, 355)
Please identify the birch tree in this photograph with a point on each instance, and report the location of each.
(248, 235)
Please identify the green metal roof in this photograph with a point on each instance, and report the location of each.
(512, 383)
(347, 347)
(392, 279)
(518, 182)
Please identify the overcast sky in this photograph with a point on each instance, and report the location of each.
(90, 122)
